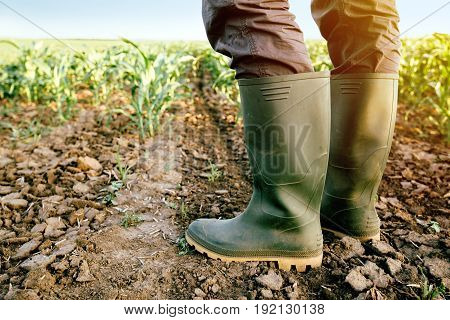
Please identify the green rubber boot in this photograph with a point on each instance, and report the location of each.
(287, 129)
(363, 111)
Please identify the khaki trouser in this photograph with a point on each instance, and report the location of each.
(262, 39)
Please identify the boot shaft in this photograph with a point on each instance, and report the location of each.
(363, 115)
(287, 129)
(363, 112)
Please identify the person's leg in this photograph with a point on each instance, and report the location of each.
(363, 41)
(286, 113)
(260, 36)
(362, 36)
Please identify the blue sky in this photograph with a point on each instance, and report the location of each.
(167, 19)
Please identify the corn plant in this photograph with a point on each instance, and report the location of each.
(130, 220)
(103, 73)
(318, 53)
(61, 89)
(9, 77)
(216, 67)
(425, 76)
(122, 169)
(154, 84)
(215, 173)
(35, 67)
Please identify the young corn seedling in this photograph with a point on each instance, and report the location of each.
(183, 246)
(30, 132)
(122, 170)
(130, 220)
(215, 173)
(171, 205)
(110, 192)
(183, 210)
(430, 291)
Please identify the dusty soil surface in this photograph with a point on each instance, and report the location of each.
(74, 226)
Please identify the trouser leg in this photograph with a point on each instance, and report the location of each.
(362, 36)
(260, 36)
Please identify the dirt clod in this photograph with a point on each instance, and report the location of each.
(84, 274)
(53, 228)
(379, 278)
(81, 188)
(6, 234)
(381, 247)
(439, 268)
(357, 281)
(15, 203)
(349, 247)
(271, 280)
(25, 250)
(37, 261)
(39, 279)
(3, 278)
(394, 266)
(215, 288)
(88, 163)
(199, 292)
(39, 228)
(266, 294)
(76, 216)
(65, 248)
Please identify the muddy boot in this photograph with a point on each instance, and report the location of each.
(287, 128)
(363, 109)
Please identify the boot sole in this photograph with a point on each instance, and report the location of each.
(361, 238)
(284, 263)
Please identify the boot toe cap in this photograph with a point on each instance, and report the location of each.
(196, 228)
(212, 234)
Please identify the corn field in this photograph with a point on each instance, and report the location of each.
(110, 149)
(143, 81)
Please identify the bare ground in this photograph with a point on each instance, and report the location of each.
(63, 234)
